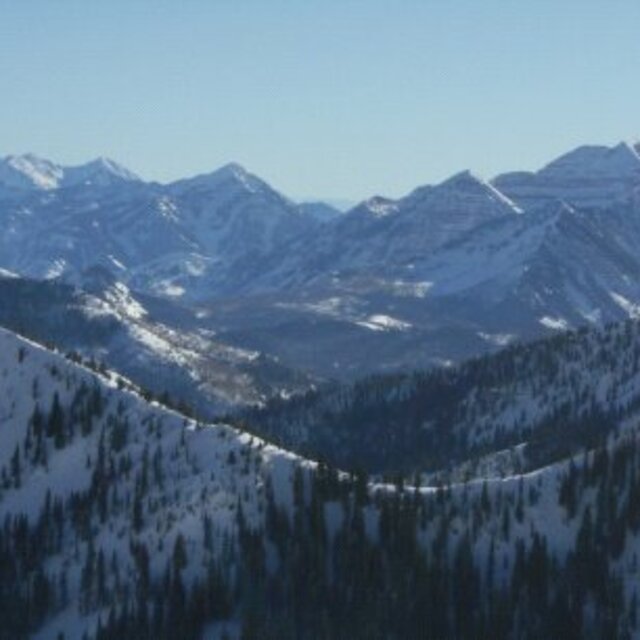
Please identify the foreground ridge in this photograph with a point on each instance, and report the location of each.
(139, 522)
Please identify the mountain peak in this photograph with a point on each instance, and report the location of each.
(628, 150)
(231, 173)
(619, 161)
(378, 206)
(29, 171)
(107, 164)
(462, 178)
(460, 188)
(234, 169)
(589, 176)
(236, 172)
(99, 172)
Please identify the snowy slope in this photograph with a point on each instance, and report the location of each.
(163, 238)
(191, 478)
(151, 341)
(29, 172)
(553, 262)
(529, 403)
(122, 503)
(513, 276)
(377, 232)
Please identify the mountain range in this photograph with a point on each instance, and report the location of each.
(448, 271)
(493, 493)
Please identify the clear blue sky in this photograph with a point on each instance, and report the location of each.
(320, 97)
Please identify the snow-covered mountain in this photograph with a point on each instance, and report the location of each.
(151, 341)
(445, 272)
(122, 518)
(30, 173)
(378, 231)
(163, 238)
(510, 280)
(558, 262)
(590, 176)
(71, 434)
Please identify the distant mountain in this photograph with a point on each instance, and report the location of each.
(447, 272)
(379, 231)
(556, 262)
(450, 270)
(587, 177)
(165, 239)
(319, 210)
(31, 173)
(512, 279)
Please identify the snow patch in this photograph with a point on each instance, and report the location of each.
(499, 339)
(381, 322)
(559, 324)
(632, 309)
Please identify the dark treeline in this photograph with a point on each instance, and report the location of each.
(417, 573)
(431, 420)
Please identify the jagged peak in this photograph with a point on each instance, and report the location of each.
(30, 171)
(101, 171)
(107, 164)
(29, 157)
(237, 172)
(234, 169)
(619, 159)
(466, 183)
(232, 172)
(628, 149)
(462, 178)
(376, 206)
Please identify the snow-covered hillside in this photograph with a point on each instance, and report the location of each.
(554, 262)
(531, 403)
(150, 340)
(70, 436)
(122, 518)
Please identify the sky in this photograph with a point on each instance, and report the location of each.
(322, 98)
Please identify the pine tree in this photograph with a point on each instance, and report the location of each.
(55, 423)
